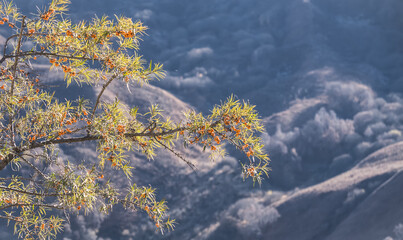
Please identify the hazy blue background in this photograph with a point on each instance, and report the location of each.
(327, 78)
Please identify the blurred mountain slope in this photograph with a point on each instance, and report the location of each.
(362, 203)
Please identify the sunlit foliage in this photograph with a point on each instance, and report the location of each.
(44, 188)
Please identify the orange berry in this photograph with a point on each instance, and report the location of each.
(251, 171)
(1, 22)
(121, 128)
(66, 69)
(45, 17)
(250, 152)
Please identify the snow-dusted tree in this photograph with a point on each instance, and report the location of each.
(38, 189)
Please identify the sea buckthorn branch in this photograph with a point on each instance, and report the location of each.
(36, 53)
(53, 141)
(85, 36)
(156, 134)
(91, 138)
(40, 122)
(144, 198)
(237, 123)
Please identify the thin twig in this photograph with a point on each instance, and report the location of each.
(148, 127)
(21, 178)
(10, 218)
(5, 44)
(16, 58)
(100, 94)
(35, 168)
(31, 193)
(14, 69)
(35, 53)
(13, 36)
(30, 204)
(190, 164)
